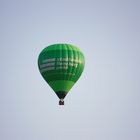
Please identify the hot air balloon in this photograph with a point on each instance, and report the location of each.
(61, 65)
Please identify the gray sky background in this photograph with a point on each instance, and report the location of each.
(104, 104)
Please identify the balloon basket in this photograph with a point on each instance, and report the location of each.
(61, 102)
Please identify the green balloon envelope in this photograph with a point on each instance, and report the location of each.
(61, 65)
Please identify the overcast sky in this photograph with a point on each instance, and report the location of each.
(104, 104)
